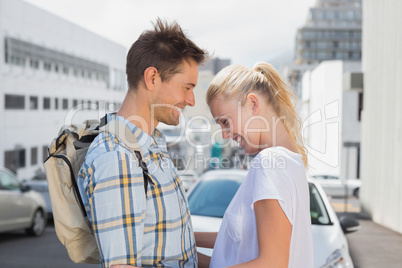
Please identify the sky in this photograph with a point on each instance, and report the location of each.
(245, 31)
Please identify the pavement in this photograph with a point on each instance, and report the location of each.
(374, 245)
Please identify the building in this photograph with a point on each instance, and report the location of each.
(381, 168)
(52, 72)
(332, 32)
(332, 129)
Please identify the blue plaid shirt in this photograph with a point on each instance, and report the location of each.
(131, 227)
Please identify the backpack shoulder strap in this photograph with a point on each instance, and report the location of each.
(120, 130)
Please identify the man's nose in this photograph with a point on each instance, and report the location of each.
(190, 99)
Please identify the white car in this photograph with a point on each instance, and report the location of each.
(210, 196)
(39, 183)
(20, 207)
(335, 186)
(188, 178)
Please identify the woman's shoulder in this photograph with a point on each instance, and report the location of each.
(276, 157)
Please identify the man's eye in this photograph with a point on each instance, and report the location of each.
(224, 122)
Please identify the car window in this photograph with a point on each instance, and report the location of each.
(318, 211)
(212, 197)
(7, 182)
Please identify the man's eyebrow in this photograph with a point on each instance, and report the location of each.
(190, 84)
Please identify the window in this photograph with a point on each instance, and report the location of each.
(18, 51)
(56, 103)
(6, 51)
(46, 103)
(44, 153)
(34, 155)
(34, 63)
(47, 66)
(8, 182)
(14, 159)
(65, 104)
(14, 101)
(75, 103)
(33, 103)
(65, 70)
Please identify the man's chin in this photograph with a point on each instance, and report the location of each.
(172, 121)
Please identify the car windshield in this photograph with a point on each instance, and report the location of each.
(318, 211)
(212, 197)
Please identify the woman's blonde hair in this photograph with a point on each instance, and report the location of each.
(237, 81)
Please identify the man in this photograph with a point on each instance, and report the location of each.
(133, 226)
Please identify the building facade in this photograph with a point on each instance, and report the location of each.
(381, 168)
(52, 73)
(331, 130)
(332, 31)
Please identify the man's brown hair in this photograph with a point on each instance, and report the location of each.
(165, 47)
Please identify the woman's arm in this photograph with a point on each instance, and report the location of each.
(205, 239)
(273, 232)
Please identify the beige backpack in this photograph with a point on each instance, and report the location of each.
(66, 154)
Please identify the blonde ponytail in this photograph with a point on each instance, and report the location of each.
(283, 101)
(236, 81)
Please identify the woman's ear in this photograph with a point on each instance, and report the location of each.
(150, 76)
(253, 101)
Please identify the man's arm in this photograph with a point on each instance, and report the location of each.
(116, 181)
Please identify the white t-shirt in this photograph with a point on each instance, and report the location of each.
(275, 173)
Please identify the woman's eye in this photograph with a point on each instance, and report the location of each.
(224, 122)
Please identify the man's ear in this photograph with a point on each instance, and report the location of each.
(253, 101)
(150, 77)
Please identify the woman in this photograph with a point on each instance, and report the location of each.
(267, 224)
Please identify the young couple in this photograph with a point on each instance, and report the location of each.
(267, 223)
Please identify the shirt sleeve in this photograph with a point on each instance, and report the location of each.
(116, 196)
(270, 182)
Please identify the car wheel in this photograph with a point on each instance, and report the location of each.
(356, 192)
(38, 224)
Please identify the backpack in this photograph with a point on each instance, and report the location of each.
(66, 155)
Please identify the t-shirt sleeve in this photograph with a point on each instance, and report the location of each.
(269, 182)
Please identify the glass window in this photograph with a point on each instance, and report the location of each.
(34, 155)
(46, 103)
(34, 64)
(65, 104)
(75, 103)
(8, 182)
(56, 103)
(14, 101)
(318, 212)
(47, 66)
(33, 103)
(45, 152)
(212, 197)
(14, 159)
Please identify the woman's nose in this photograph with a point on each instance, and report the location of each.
(225, 133)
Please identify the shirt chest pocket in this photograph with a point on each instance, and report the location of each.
(234, 226)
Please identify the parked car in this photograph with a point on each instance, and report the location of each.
(39, 183)
(211, 195)
(188, 178)
(335, 186)
(20, 207)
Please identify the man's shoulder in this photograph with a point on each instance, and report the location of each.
(105, 144)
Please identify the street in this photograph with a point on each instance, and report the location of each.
(46, 251)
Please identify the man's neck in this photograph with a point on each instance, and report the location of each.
(136, 109)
